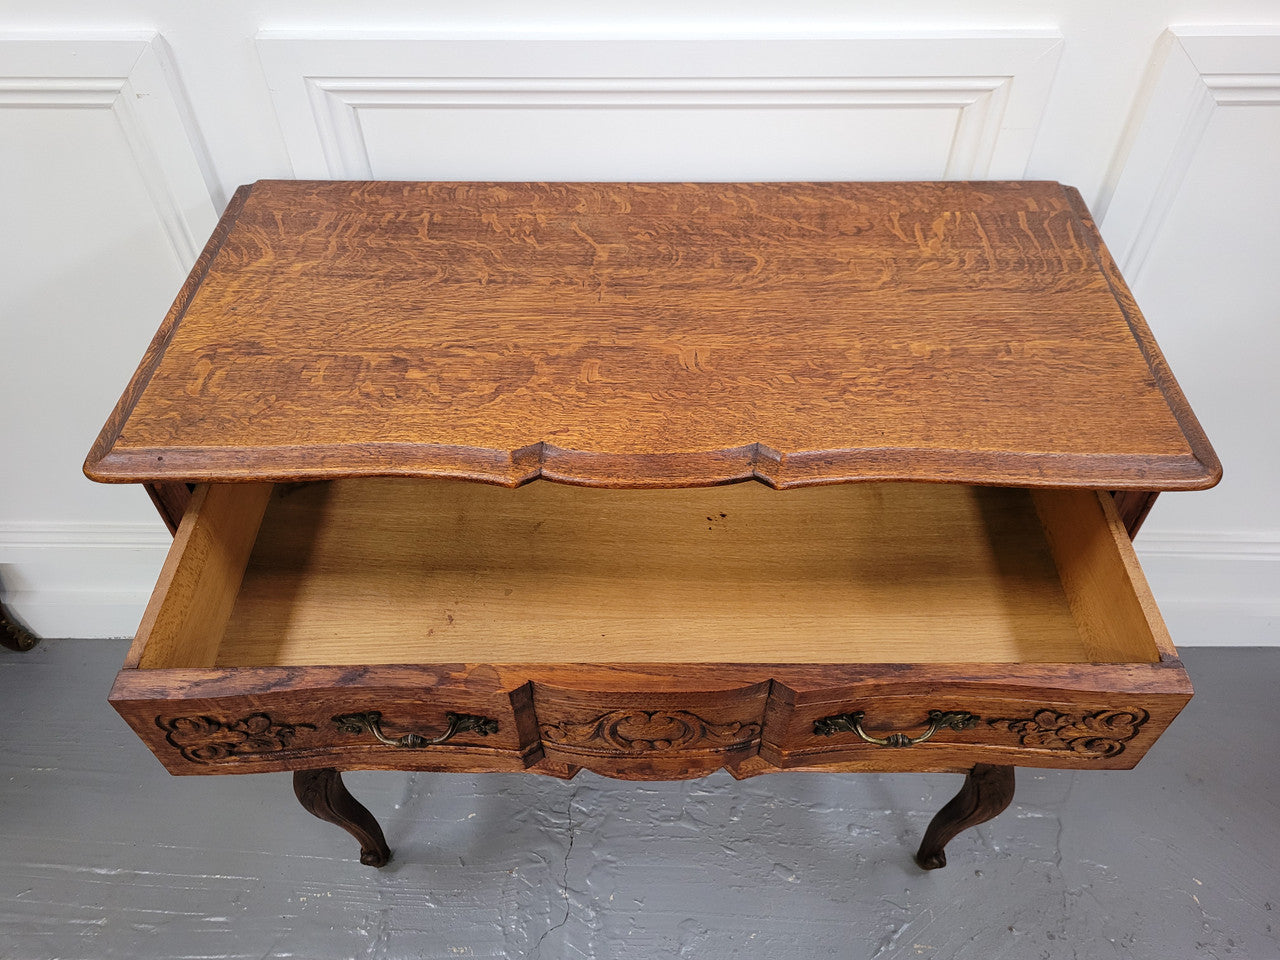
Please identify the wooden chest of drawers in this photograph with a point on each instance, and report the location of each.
(945, 411)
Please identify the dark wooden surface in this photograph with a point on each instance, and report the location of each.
(657, 335)
(323, 794)
(651, 721)
(987, 791)
(13, 634)
(1133, 507)
(171, 501)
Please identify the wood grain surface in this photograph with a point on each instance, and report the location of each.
(392, 570)
(645, 720)
(657, 335)
(647, 634)
(200, 579)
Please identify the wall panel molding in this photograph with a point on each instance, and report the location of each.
(62, 576)
(80, 579)
(1215, 589)
(1197, 71)
(25, 534)
(130, 76)
(994, 85)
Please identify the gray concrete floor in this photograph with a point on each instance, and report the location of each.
(104, 855)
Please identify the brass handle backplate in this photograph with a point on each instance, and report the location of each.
(371, 721)
(852, 722)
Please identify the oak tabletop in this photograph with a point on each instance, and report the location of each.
(657, 335)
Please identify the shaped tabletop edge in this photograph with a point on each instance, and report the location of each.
(110, 462)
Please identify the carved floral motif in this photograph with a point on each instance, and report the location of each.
(206, 740)
(1094, 735)
(649, 731)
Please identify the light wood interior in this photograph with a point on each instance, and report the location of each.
(366, 571)
(1104, 584)
(198, 584)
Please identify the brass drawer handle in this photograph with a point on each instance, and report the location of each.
(371, 721)
(938, 720)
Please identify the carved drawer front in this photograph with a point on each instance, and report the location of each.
(422, 625)
(643, 736)
(357, 727)
(942, 727)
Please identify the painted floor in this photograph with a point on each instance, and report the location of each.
(104, 855)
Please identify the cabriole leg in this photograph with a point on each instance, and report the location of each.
(987, 790)
(13, 634)
(323, 794)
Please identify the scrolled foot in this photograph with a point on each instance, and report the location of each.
(934, 861)
(987, 790)
(323, 794)
(13, 634)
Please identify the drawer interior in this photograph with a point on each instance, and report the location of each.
(370, 571)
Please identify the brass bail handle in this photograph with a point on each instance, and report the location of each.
(371, 721)
(937, 719)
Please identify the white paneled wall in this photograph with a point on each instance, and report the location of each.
(105, 206)
(125, 124)
(1195, 224)
(959, 106)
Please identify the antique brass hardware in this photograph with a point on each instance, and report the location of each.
(371, 721)
(938, 720)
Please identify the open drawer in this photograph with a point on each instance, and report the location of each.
(442, 625)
